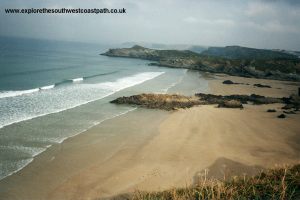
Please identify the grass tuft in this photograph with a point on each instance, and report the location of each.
(279, 183)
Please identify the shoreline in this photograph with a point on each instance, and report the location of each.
(172, 150)
(67, 159)
(63, 140)
(52, 135)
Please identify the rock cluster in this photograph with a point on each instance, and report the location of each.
(244, 99)
(175, 101)
(159, 101)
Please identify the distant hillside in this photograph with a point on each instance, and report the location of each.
(237, 52)
(269, 65)
(295, 53)
(198, 49)
(159, 46)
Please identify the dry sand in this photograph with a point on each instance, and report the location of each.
(166, 150)
(278, 88)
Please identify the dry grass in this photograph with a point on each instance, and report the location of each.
(279, 183)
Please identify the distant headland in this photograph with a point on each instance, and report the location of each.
(232, 60)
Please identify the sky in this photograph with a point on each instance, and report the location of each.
(272, 24)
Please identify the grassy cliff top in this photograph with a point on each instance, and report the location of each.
(277, 184)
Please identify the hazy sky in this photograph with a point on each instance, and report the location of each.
(253, 23)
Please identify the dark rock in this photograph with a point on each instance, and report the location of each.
(261, 86)
(258, 99)
(292, 102)
(229, 82)
(271, 110)
(231, 104)
(281, 116)
(294, 99)
(288, 106)
(255, 99)
(289, 112)
(153, 64)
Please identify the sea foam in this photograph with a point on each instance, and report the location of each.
(25, 107)
(48, 87)
(5, 94)
(34, 151)
(77, 79)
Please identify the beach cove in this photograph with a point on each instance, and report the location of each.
(153, 150)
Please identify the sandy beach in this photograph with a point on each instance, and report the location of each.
(165, 149)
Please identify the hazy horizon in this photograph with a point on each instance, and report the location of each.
(268, 24)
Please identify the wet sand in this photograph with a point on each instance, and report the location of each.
(155, 150)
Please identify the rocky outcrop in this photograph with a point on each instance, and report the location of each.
(281, 116)
(244, 99)
(231, 104)
(290, 112)
(229, 82)
(174, 101)
(293, 102)
(159, 101)
(261, 85)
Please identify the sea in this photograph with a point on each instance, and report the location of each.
(53, 90)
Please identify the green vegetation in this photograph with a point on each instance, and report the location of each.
(261, 59)
(282, 65)
(237, 52)
(280, 183)
(163, 54)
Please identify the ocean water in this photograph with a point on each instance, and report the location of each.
(50, 91)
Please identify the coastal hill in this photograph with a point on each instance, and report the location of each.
(161, 46)
(237, 61)
(237, 52)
